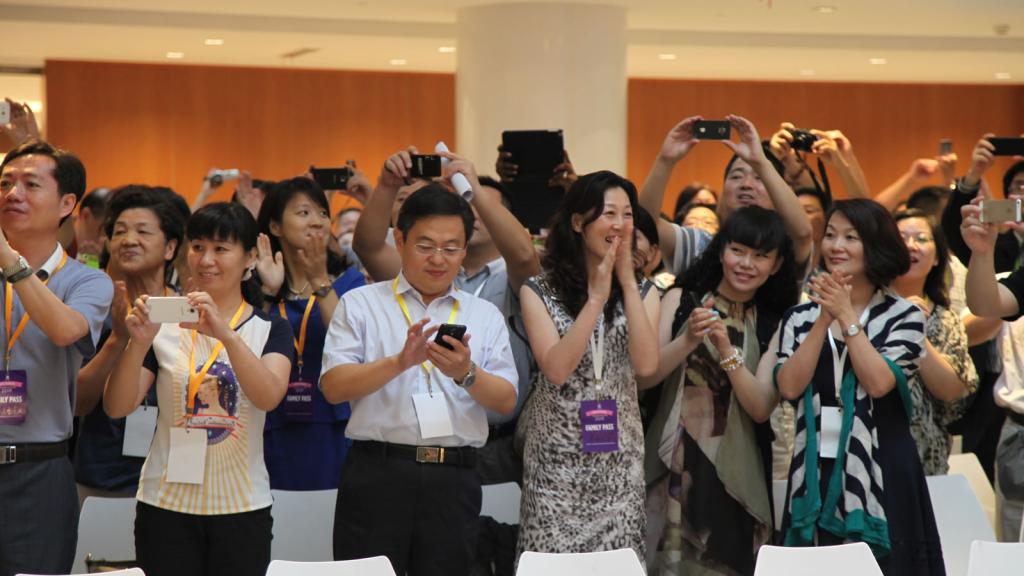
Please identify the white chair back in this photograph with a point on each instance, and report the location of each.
(106, 531)
(779, 499)
(611, 563)
(376, 566)
(303, 525)
(501, 502)
(959, 518)
(968, 465)
(996, 559)
(845, 560)
(125, 572)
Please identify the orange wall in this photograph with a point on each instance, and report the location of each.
(889, 124)
(169, 124)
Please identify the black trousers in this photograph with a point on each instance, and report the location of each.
(38, 517)
(173, 543)
(423, 517)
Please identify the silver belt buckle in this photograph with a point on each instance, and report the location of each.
(8, 455)
(429, 454)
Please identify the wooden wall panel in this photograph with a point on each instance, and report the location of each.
(889, 124)
(168, 124)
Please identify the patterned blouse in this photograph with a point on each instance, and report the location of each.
(945, 332)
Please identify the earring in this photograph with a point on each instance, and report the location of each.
(248, 275)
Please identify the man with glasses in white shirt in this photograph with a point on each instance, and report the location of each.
(409, 490)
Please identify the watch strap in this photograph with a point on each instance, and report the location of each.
(20, 275)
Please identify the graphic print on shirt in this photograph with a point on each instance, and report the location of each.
(216, 405)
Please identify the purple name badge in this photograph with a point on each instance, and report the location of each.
(298, 402)
(13, 397)
(599, 425)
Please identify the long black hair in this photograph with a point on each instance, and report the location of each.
(936, 286)
(564, 257)
(276, 198)
(760, 229)
(228, 222)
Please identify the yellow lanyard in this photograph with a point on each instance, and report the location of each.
(194, 380)
(9, 311)
(408, 319)
(300, 342)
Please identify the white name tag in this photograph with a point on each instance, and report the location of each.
(831, 425)
(432, 413)
(187, 459)
(139, 428)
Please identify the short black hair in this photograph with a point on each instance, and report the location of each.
(928, 200)
(686, 196)
(824, 199)
(176, 200)
(885, 254)
(228, 222)
(69, 171)
(1012, 171)
(434, 200)
(96, 201)
(506, 195)
(644, 223)
(139, 196)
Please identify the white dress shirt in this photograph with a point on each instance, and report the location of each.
(369, 325)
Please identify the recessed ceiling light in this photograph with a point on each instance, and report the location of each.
(878, 61)
(214, 41)
(824, 9)
(398, 61)
(807, 72)
(666, 56)
(446, 49)
(175, 55)
(1003, 76)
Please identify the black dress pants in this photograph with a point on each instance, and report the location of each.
(38, 517)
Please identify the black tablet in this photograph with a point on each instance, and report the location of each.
(536, 152)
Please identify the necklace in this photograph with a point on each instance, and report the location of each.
(300, 291)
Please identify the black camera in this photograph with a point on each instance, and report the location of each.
(802, 140)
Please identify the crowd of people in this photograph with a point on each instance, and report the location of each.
(643, 377)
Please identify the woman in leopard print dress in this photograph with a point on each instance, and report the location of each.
(587, 304)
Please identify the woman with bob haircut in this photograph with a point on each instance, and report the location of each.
(714, 442)
(845, 359)
(589, 319)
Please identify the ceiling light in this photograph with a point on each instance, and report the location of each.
(214, 41)
(824, 9)
(1002, 75)
(175, 55)
(446, 49)
(666, 56)
(807, 72)
(878, 61)
(398, 61)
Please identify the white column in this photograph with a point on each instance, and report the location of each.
(543, 66)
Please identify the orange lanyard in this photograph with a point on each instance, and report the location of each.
(408, 320)
(9, 311)
(300, 342)
(195, 379)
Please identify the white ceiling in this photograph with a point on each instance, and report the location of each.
(922, 40)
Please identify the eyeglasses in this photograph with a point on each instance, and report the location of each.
(428, 250)
(918, 239)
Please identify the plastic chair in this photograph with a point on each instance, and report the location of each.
(303, 525)
(376, 566)
(959, 518)
(844, 560)
(968, 465)
(995, 558)
(501, 502)
(106, 531)
(779, 499)
(126, 572)
(610, 563)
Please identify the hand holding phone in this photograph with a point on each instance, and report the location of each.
(425, 166)
(1007, 146)
(171, 310)
(456, 331)
(712, 130)
(998, 211)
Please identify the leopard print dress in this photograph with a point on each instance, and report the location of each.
(575, 501)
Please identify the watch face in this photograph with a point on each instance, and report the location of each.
(853, 330)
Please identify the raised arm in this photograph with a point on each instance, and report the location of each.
(129, 380)
(677, 144)
(641, 312)
(369, 241)
(836, 149)
(985, 296)
(921, 170)
(92, 378)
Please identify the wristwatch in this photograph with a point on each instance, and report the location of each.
(18, 271)
(323, 290)
(852, 330)
(469, 378)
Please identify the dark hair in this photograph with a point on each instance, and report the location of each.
(775, 162)
(563, 258)
(272, 210)
(928, 200)
(506, 195)
(824, 199)
(686, 196)
(140, 196)
(760, 229)
(936, 287)
(177, 201)
(434, 200)
(1012, 171)
(885, 254)
(69, 171)
(228, 222)
(644, 223)
(96, 201)
(689, 208)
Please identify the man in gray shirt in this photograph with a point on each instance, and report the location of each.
(53, 310)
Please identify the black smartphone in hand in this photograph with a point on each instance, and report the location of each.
(425, 166)
(712, 130)
(456, 331)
